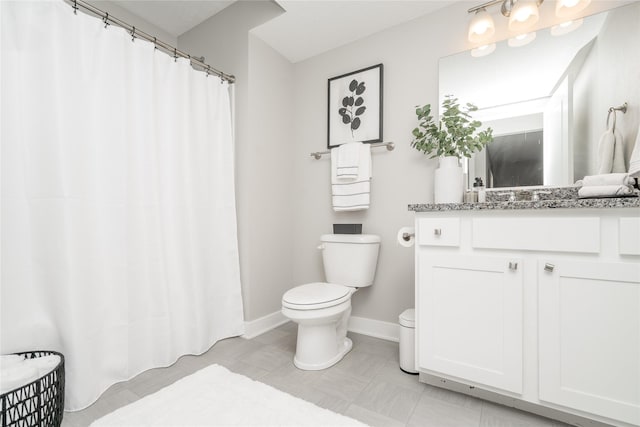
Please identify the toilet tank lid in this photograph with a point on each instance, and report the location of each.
(350, 238)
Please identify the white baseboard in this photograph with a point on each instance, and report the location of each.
(375, 328)
(253, 328)
(360, 325)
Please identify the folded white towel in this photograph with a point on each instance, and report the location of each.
(351, 188)
(347, 160)
(17, 376)
(596, 191)
(352, 195)
(353, 202)
(634, 162)
(607, 179)
(44, 364)
(9, 360)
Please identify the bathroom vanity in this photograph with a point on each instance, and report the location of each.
(534, 305)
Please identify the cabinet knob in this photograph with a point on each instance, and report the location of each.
(513, 265)
(437, 231)
(549, 267)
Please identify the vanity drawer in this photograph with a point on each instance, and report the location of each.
(581, 235)
(439, 231)
(629, 236)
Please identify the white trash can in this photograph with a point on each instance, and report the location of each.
(407, 341)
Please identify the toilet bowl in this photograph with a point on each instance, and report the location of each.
(322, 312)
(322, 309)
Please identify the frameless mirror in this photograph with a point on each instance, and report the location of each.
(547, 101)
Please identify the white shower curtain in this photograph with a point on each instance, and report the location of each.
(119, 244)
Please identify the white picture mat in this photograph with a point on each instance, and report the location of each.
(340, 133)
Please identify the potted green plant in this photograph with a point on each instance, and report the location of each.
(454, 136)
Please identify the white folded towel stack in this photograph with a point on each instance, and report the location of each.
(44, 364)
(608, 179)
(9, 360)
(351, 194)
(16, 371)
(16, 376)
(606, 185)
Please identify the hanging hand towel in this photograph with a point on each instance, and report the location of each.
(634, 163)
(348, 160)
(352, 195)
(608, 179)
(605, 152)
(619, 164)
(598, 191)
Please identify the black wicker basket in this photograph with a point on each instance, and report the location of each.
(39, 403)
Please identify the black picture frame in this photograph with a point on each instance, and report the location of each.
(354, 110)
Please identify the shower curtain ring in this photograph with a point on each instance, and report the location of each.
(175, 55)
(133, 34)
(106, 19)
(75, 7)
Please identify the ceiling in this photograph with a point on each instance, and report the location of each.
(306, 29)
(309, 27)
(174, 16)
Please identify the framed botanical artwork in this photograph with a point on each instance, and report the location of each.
(355, 107)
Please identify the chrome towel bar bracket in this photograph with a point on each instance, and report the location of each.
(390, 147)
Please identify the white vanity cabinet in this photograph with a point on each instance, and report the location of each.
(471, 318)
(589, 336)
(538, 306)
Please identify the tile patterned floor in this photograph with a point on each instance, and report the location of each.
(366, 385)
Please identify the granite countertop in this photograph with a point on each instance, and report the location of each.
(613, 202)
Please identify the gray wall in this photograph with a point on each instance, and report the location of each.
(263, 176)
(410, 54)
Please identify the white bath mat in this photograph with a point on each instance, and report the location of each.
(215, 396)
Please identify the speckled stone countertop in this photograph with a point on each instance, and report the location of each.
(617, 202)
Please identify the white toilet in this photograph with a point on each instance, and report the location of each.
(322, 310)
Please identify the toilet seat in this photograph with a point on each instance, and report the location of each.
(314, 296)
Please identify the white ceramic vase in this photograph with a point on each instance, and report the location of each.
(448, 186)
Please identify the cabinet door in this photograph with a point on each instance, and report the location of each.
(470, 318)
(589, 337)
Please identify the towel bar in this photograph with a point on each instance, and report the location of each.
(390, 146)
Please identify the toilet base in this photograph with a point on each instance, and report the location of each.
(346, 348)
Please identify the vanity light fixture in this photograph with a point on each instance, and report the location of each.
(483, 50)
(568, 8)
(566, 27)
(522, 39)
(522, 14)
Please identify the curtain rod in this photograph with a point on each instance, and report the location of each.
(136, 33)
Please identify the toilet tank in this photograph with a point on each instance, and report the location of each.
(350, 259)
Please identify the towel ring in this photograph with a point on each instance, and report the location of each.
(613, 110)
